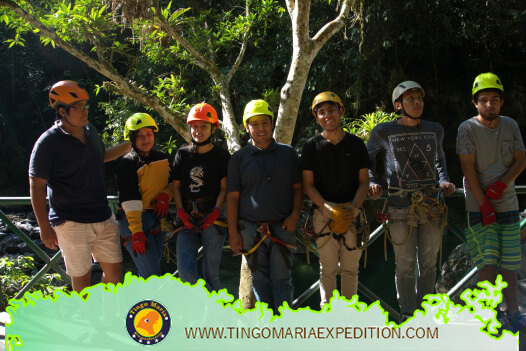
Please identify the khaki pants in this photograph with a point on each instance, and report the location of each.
(332, 252)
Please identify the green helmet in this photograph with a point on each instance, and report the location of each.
(138, 121)
(486, 81)
(256, 108)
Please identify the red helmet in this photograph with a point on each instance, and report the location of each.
(66, 92)
(203, 112)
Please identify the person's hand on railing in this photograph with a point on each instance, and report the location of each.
(448, 188)
(375, 191)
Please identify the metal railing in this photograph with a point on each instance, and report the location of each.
(51, 263)
(520, 189)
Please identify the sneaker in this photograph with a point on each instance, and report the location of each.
(504, 323)
(517, 323)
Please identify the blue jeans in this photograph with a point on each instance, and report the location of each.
(149, 263)
(419, 251)
(188, 243)
(272, 279)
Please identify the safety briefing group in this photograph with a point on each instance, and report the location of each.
(262, 185)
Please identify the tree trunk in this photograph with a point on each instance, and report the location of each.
(246, 294)
(291, 94)
(304, 52)
(230, 127)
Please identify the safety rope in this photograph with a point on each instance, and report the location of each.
(362, 231)
(167, 228)
(422, 206)
(265, 228)
(308, 232)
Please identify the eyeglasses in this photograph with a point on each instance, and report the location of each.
(80, 108)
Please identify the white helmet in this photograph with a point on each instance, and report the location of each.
(406, 86)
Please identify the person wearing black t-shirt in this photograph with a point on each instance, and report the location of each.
(335, 177)
(199, 189)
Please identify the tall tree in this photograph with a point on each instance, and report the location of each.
(304, 51)
(118, 31)
(111, 36)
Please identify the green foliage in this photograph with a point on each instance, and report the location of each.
(272, 97)
(15, 273)
(444, 46)
(170, 90)
(169, 146)
(363, 126)
(116, 113)
(360, 127)
(309, 131)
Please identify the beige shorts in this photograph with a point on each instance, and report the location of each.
(79, 242)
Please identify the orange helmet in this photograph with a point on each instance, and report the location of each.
(203, 112)
(66, 92)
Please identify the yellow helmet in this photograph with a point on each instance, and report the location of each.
(486, 81)
(138, 121)
(324, 97)
(256, 108)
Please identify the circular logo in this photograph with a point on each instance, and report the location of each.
(148, 322)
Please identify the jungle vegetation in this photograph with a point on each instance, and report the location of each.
(163, 56)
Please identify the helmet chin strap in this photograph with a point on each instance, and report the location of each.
(406, 114)
(202, 143)
(65, 118)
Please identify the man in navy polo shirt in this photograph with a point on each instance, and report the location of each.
(264, 198)
(67, 161)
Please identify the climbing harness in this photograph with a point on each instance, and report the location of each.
(362, 233)
(381, 215)
(166, 227)
(426, 203)
(264, 231)
(308, 231)
(196, 207)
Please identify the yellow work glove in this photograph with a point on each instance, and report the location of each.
(342, 215)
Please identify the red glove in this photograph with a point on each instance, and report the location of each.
(162, 204)
(211, 218)
(494, 191)
(489, 215)
(185, 218)
(139, 243)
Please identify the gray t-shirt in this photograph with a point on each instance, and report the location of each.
(493, 150)
(414, 157)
